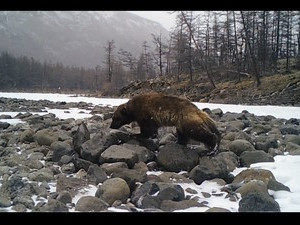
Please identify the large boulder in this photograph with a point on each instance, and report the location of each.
(113, 189)
(175, 158)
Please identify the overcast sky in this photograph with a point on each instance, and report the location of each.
(165, 18)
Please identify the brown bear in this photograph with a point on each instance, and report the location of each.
(154, 110)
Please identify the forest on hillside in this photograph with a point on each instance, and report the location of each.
(208, 45)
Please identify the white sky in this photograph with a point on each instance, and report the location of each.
(165, 18)
(285, 168)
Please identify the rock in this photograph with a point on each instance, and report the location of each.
(117, 153)
(144, 154)
(293, 138)
(60, 149)
(175, 158)
(217, 209)
(45, 137)
(292, 148)
(91, 204)
(53, 205)
(289, 129)
(131, 176)
(170, 206)
(27, 136)
(4, 125)
(64, 197)
(151, 195)
(70, 184)
(41, 175)
(258, 202)
(113, 189)
(249, 157)
(209, 168)
(240, 146)
(229, 159)
(172, 177)
(112, 167)
(4, 202)
(96, 174)
(92, 149)
(266, 142)
(168, 138)
(256, 186)
(254, 174)
(140, 194)
(82, 135)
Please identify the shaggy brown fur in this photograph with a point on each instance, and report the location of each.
(153, 110)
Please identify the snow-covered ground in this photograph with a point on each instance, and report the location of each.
(285, 167)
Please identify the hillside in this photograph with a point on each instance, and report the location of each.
(74, 37)
(277, 89)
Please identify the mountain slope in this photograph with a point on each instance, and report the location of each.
(73, 37)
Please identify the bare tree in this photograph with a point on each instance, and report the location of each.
(109, 49)
(250, 47)
(160, 49)
(203, 58)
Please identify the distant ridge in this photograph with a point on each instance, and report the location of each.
(74, 38)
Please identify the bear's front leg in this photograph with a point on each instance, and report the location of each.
(181, 138)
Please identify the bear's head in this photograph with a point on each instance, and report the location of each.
(121, 117)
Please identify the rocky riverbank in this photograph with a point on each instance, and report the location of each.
(277, 89)
(51, 164)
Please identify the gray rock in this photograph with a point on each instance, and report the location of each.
(293, 138)
(168, 191)
(82, 135)
(60, 149)
(249, 157)
(45, 137)
(131, 176)
(277, 186)
(217, 209)
(254, 174)
(96, 174)
(64, 197)
(289, 129)
(293, 148)
(257, 186)
(146, 189)
(91, 204)
(113, 189)
(34, 164)
(52, 205)
(4, 125)
(209, 168)
(112, 167)
(168, 138)
(266, 142)
(175, 158)
(24, 200)
(144, 154)
(258, 202)
(41, 175)
(91, 149)
(4, 201)
(239, 146)
(70, 184)
(170, 206)
(116, 153)
(68, 168)
(27, 136)
(229, 159)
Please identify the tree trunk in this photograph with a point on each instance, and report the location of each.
(256, 73)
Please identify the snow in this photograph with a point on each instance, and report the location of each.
(285, 167)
